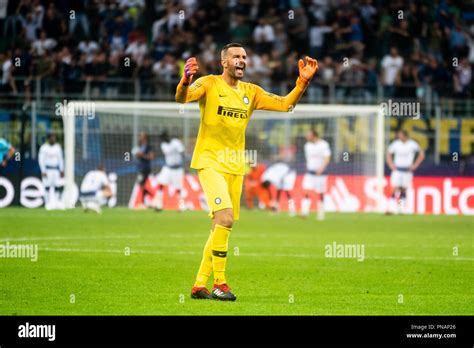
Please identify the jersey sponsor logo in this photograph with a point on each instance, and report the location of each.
(232, 112)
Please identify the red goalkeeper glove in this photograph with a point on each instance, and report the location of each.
(190, 68)
(307, 71)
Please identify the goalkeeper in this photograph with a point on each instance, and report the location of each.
(226, 105)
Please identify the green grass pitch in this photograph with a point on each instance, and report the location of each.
(276, 265)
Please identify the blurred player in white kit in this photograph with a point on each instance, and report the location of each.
(283, 178)
(95, 190)
(318, 154)
(172, 173)
(403, 164)
(51, 162)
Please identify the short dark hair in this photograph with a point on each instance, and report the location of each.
(164, 136)
(230, 45)
(403, 131)
(314, 132)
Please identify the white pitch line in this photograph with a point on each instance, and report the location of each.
(65, 238)
(133, 251)
(117, 251)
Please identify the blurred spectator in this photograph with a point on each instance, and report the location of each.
(161, 46)
(121, 25)
(407, 82)
(23, 68)
(462, 79)
(297, 26)
(165, 70)
(137, 49)
(457, 39)
(70, 72)
(209, 54)
(175, 18)
(241, 32)
(281, 39)
(351, 74)
(132, 7)
(117, 43)
(371, 80)
(263, 71)
(96, 72)
(263, 36)
(434, 74)
(89, 48)
(401, 38)
(368, 13)
(144, 74)
(78, 16)
(43, 44)
(7, 81)
(327, 71)
(277, 74)
(316, 38)
(391, 65)
(52, 23)
(31, 24)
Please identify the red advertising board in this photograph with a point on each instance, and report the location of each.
(429, 195)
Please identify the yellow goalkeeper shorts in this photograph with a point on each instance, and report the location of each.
(222, 190)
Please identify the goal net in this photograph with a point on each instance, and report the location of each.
(107, 136)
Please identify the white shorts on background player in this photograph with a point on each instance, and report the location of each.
(95, 196)
(171, 177)
(313, 182)
(401, 179)
(281, 176)
(52, 178)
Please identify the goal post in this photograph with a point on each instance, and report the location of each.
(356, 134)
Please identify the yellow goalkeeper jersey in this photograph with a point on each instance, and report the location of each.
(225, 112)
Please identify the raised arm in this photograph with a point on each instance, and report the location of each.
(186, 93)
(269, 101)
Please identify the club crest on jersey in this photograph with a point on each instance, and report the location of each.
(246, 100)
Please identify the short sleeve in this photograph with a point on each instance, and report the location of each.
(415, 146)
(392, 147)
(327, 150)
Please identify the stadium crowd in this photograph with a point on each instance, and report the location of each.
(402, 45)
